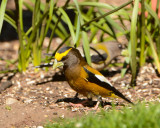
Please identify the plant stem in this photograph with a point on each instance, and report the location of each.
(133, 39)
(19, 21)
(142, 57)
(55, 26)
(108, 13)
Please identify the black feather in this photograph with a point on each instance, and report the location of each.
(44, 65)
(63, 49)
(93, 79)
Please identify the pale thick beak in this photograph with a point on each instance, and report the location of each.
(57, 64)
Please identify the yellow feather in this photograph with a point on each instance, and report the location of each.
(59, 56)
(92, 70)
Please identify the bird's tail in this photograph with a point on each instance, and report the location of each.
(118, 94)
(123, 97)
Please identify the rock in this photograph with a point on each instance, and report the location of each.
(10, 101)
(52, 106)
(55, 113)
(40, 127)
(27, 101)
(5, 85)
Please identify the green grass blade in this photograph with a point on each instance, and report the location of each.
(52, 5)
(28, 6)
(54, 18)
(36, 26)
(108, 13)
(62, 31)
(111, 21)
(118, 34)
(94, 31)
(157, 7)
(158, 40)
(154, 53)
(157, 24)
(84, 36)
(142, 58)
(21, 14)
(98, 25)
(2, 12)
(86, 47)
(96, 4)
(158, 43)
(152, 13)
(60, 25)
(22, 60)
(34, 38)
(137, 116)
(10, 21)
(78, 22)
(54, 30)
(68, 21)
(133, 35)
(44, 27)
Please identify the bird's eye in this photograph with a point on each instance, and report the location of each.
(63, 58)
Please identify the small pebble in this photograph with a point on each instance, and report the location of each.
(10, 101)
(40, 127)
(55, 113)
(27, 101)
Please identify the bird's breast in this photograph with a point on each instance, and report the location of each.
(77, 79)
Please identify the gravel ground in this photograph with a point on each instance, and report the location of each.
(31, 98)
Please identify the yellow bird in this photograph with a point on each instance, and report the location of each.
(83, 78)
(101, 54)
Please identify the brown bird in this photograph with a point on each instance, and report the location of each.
(83, 78)
(101, 54)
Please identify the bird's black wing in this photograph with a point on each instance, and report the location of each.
(94, 79)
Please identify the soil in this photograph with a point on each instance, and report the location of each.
(31, 99)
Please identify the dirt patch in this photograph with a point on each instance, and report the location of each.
(31, 100)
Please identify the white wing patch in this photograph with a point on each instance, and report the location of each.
(103, 79)
(51, 63)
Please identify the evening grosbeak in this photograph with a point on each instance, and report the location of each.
(101, 54)
(83, 78)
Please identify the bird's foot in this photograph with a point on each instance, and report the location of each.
(80, 104)
(100, 104)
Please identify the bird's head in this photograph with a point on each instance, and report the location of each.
(67, 56)
(63, 53)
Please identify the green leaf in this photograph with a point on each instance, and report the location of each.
(154, 53)
(86, 47)
(68, 21)
(78, 22)
(142, 57)
(10, 21)
(133, 35)
(111, 21)
(96, 4)
(152, 13)
(2, 12)
(84, 36)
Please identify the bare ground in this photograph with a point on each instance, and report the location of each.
(30, 100)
